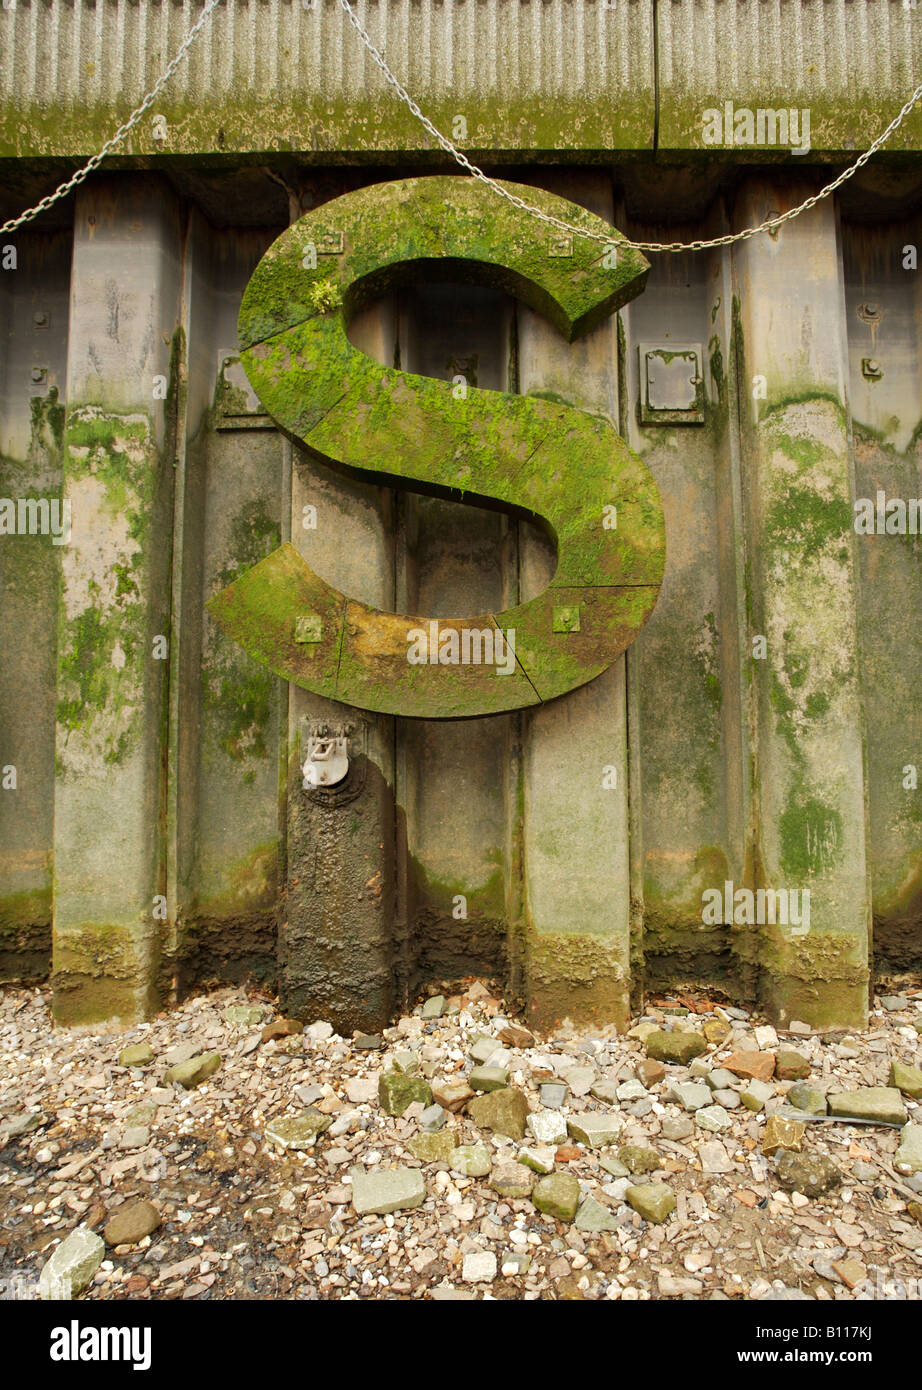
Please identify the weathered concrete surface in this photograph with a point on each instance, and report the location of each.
(282, 77)
(122, 384)
(577, 923)
(337, 954)
(33, 330)
(883, 310)
(711, 770)
(805, 705)
(577, 77)
(687, 819)
(223, 789)
(851, 65)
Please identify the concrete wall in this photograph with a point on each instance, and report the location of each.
(158, 781)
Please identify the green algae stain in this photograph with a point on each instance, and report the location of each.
(811, 836)
(238, 696)
(103, 646)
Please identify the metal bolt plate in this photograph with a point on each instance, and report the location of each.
(671, 383)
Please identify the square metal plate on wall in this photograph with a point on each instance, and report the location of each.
(237, 405)
(671, 383)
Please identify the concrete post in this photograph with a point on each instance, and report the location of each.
(113, 651)
(575, 770)
(805, 700)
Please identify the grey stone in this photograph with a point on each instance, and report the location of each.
(557, 1195)
(908, 1156)
(654, 1201)
(713, 1117)
(137, 1055)
(617, 1189)
(512, 1179)
(488, 1078)
(395, 1189)
(540, 1160)
(593, 1216)
(730, 1100)
(677, 1127)
(298, 1131)
(906, 1079)
(23, 1123)
(471, 1160)
(308, 1094)
(607, 1091)
(894, 1002)
(135, 1137)
(244, 1015)
(580, 1079)
(483, 1048)
(479, 1267)
(675, 1286)
(806, 1098)
(882, 1103)
(675, 1047)
(714, 1157)
(514, 1264)
(756, 1094)
(721, 1080)
(406, 1062)
(547, 1127)
(182, 1052)
(638, 1159)
(627, 1091)
(553, 1094)
(595, 1128)
(71, 1268)
(144, 1113)
(434, 1007)
(614, 1166)
(691, 1095)
(503, 1111)
(810, 1173)
(433, 1117)
(193, 1072)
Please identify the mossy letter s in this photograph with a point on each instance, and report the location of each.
(569, 471)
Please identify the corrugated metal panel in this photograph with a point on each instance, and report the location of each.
(589, 61)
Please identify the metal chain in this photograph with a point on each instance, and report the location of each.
(461, 158)
(568, 227)
(122, 131)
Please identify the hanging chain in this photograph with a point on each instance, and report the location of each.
(557, 223)
(568, 227)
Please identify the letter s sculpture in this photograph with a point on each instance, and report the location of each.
(552, 463)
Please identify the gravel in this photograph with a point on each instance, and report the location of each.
(281, 1174)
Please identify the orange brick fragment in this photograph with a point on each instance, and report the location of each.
(759, 1066)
